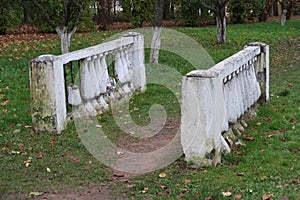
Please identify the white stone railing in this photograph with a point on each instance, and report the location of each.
(214, 98)
(95, 87)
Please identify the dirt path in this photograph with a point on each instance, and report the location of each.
(107, 190)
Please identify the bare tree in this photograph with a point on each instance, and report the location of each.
(157, 28)
(218, 7)
(64, 30)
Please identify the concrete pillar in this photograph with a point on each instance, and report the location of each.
(47, 89)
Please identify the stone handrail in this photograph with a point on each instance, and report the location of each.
(96, 88)
(214, 98)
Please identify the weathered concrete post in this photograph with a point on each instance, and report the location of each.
(262, 69)
(47, 89)
(138, 60)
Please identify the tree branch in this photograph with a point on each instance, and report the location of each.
(202, 2)
(45, 14)
(79, 15)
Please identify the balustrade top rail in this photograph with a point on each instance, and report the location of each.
(229, 65)
(104, 48)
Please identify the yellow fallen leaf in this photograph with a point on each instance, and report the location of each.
(162, 175)
(226, 194)
(145, 190)
(267, 196)
(35, 193)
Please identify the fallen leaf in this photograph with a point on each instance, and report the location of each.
(118, 175)
(180, 195)
(9, 144)
(293, 120)
(87, 167)
(240, 174)
(128, 186)
(93, 191)
(39, 155)
(15, 152)
(21, 145)
(162, 175)
(48, 169)
(5, 103)
(296, 180)
(208, 198)
(75, 160)
(238, 196)
(187, 180)
(17, 131)
(282, 139)
(145, 190)
(250, 139)
(35, 193)
(226, 194)
(285, 198)
(291, 85)
(163, 187)
(267, 196)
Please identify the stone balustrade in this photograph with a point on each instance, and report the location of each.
(95, 87)
(215, 98)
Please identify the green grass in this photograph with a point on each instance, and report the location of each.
(267, 165)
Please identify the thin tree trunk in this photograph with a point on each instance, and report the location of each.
(221, 29)
(157, 28)
(27, 12)
(155, 45)
(65, 38)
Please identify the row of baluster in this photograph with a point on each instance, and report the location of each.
(95, 80)
(241, 90)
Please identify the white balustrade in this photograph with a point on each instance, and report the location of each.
(96, 87)
(214, 98)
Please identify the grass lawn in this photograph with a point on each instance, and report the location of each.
(269, 165)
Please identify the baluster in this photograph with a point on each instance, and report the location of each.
(239, 94)
(74, 95)
(248, 85)
(227, 102)
(125, 63)
(86, 89)
(97, 67)
(244, 89)
(230, 99)
(104, 76)
(252, 83)
(119, 67)
(236, 97)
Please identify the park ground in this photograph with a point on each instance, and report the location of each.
(57, 166)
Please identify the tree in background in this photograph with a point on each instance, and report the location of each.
(103, 12)
(157, 28)
(71, 12)
(240, 10)
(218, 7)
(138, 11)
(9, 15)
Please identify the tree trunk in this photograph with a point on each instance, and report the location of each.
(65, 38)
(157, 28)
(155, 45)
(27, 12)
(3, 21)
(221, 29)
